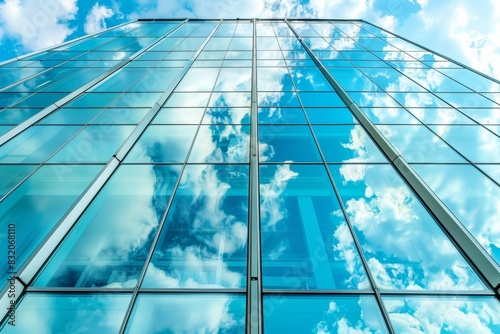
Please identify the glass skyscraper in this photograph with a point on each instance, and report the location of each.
(258, 176)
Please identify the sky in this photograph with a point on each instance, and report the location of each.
(465, 30)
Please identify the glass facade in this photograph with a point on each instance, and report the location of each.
(259, 176)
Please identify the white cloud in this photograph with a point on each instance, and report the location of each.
(37, 24)
(95, 20)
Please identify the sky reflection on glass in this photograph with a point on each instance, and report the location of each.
(204, 241)
(182, 313)
(304, 244)
(404, 247)
(109, 244)
(322, 314)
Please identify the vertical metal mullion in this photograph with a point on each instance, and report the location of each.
(254, 277)
(357, 244)
(169, 204)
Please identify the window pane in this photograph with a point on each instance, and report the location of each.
(404, 247)
(109, 244)
(162, 143)
(305, 244)
(443, 314)
(322, 314)
(182, 313)
(38, 204)
(53, 313)
(204, 241)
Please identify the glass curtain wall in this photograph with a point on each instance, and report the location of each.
(130, 203)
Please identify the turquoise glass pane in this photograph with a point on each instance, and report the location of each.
(306, 244)
(163, 143)
(84, 313)
(204, 241)
(471, 196)
(404, 247)
(347, 143)
(322, 314)
(93, 144)
(440, 314)
(12, 175)
(109, 244)
(221, 143)
(281, 115)
(71, 116)
(330, 116)
(183, 313)
(287, 143)
(36, 144)
(38, 204)
(179, 116)
(16, 116)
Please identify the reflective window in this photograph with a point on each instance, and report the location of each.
(404, 247)
(55, 313)
(478, 205)
(283, 143)
(109, 244)
(162, 143)
(182, 313)
(348, 143)
(305, 244)
(204, 241)
(221, 143)
(71, 116)
(474, 142)
(281, 115)
(322, 314)
(36, 206)
(93, 144)
(179, 116)
(443, 314)
(416, 143)
(330, 116)
(36, 143)
(12, 175)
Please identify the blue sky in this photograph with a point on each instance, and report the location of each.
(466, 30)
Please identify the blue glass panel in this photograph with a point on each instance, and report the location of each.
(109, 244)
(281, 116)
(76, 81)
(374, 99)
(240, 99)
(179, 116)
(191, 81)
(187, 100)
(136, 99)
(17, 115)
(440, 116)
(273, 79)
(163, 143)
(41, 100)
(493, 171)
(483, 116)
(418, 100)
(120, 116)
(42, 80)
(320, 99)
(156, 80)
(330, 116)
(84, 313)
(443, 314)
(221, 143)
(352, 79)
(12, 175)
(310, 79)
(94, 144)
(183, 313)
(224, 115)
(474, 142)
(234, 79)
(467, 100)
(404, 247)
(477, 204)
(278, 99)
(322, 314)
(5, 128)
(305, 245)
(36, 206)
(284, 143)
(347, 143)
(93, 100)
(416, 143)
(120, 80)
(71, 116)
(36, 144)
(204, 241)
(390, 116)
(473, 80)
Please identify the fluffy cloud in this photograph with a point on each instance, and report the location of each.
(36, 24)
(95, 20)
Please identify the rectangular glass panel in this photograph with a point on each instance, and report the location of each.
(108, 246)
(204, 241)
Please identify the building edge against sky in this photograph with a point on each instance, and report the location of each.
(238, 170)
